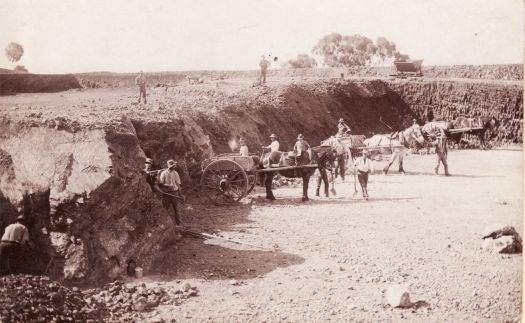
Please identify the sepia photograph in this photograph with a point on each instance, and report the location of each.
(261, 161)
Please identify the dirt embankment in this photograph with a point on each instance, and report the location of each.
(449, 99)
(36, 83)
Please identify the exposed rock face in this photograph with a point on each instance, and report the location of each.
(87, 202)
(449, 99)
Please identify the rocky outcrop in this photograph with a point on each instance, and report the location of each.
(90, 210)
(449, 99)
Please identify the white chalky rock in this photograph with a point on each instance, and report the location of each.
(398, 296)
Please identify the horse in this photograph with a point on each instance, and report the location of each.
(323, 178)
(320, 155)
(399, 143)
(483, 124)
(342, 147)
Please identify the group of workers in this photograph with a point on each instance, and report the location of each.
(166, 184)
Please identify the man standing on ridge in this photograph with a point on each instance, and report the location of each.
(263, 64)
(140, 80)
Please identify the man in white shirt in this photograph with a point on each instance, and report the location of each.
(363, 166)
(169, 182)
(244, 149)
(274, 146)
(14, 237)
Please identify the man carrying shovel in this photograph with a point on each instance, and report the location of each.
(363, 166)
(169, 182)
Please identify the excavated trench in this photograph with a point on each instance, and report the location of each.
(91, 212)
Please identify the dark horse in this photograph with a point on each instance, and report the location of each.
(483, 124)
(321, 155)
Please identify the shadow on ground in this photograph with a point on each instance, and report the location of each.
(216, 259)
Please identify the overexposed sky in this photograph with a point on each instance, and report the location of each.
(160, 35)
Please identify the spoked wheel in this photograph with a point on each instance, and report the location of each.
(224, 182)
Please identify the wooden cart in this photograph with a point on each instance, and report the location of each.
(228, 178)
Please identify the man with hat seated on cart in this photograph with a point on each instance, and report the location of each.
(302, 151)
(342, 128)
(243, 150)
(169, 182)
(274, 148)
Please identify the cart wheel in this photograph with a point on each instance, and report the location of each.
(224, 182)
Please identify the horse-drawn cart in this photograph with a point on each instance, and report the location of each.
(228, 178)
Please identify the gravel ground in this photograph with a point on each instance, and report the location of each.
(333, 259)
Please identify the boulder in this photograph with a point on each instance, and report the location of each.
(398, 296)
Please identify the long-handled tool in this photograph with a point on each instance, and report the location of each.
(203, 235)
(183, 198)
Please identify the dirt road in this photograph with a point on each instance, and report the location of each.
(332, 259)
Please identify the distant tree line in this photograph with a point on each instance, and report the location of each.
(339, 50)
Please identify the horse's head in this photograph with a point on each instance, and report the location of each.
(324, 156)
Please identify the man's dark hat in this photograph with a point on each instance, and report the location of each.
(20, 218)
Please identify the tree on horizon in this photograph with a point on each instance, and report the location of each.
(14, 52)
(354, 50)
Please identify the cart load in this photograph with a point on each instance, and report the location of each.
(349, 143)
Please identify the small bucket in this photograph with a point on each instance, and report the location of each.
(139, 272)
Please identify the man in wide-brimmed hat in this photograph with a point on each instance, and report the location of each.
(15, 236)
(152, 176)
(302, 151)
(243, 150)
(274, 146)
(363, 166)
(170, 184)
(274, 149)
(342, 128)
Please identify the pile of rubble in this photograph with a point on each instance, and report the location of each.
(25, 298)
(125, 302)
(280, 181)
